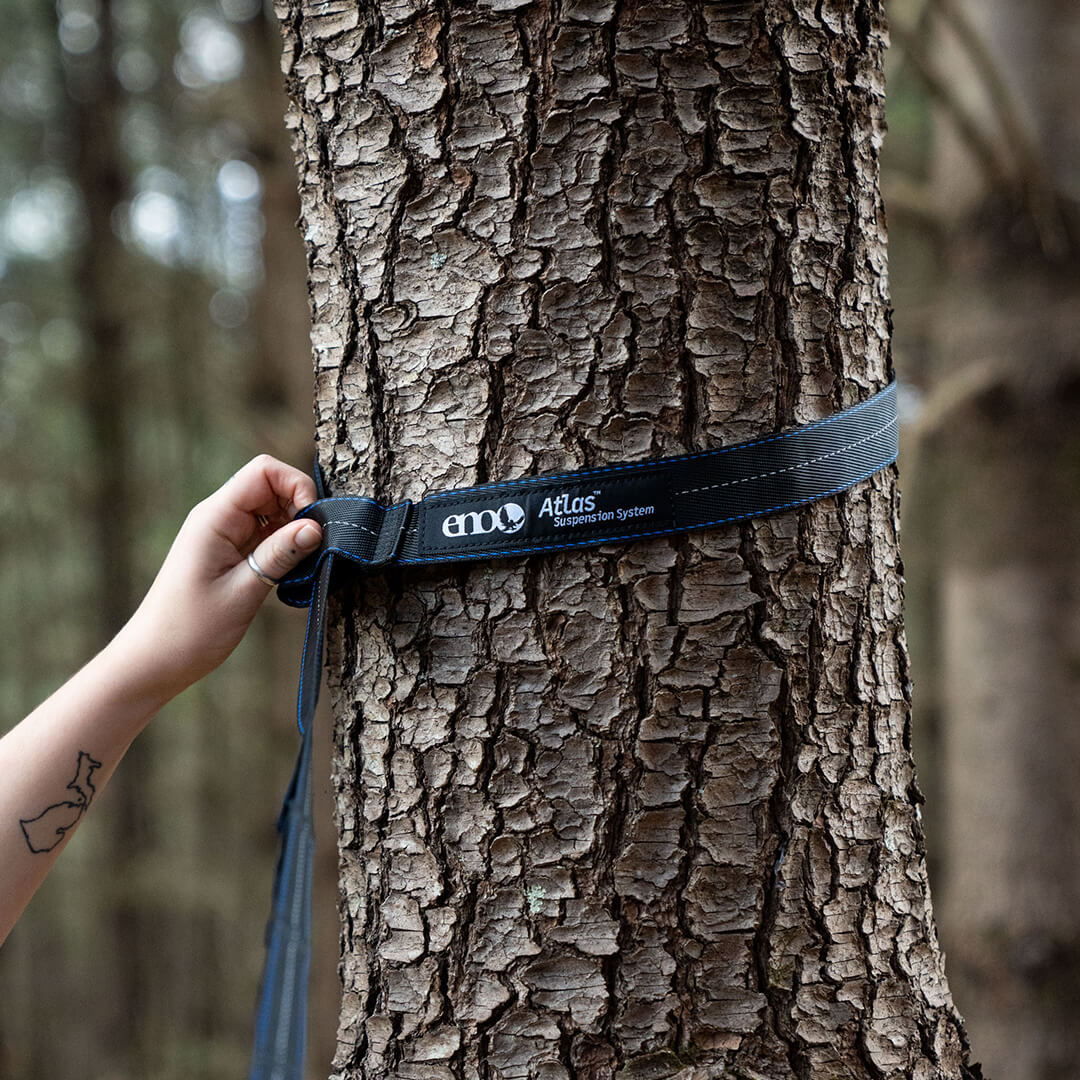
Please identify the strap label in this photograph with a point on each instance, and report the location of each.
(567, 511)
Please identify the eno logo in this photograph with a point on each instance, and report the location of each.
(508, 518)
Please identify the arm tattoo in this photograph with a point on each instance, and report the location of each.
(46, 830)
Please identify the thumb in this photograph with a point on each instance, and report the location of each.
(287, 546)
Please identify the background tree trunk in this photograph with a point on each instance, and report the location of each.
(649, 810)
(1007, 561)
(103, 280)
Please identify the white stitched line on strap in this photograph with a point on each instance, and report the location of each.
(792, 468)
(354, 525)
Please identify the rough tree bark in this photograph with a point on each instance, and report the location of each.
(648, 811)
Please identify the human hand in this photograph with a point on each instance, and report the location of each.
(205, 594)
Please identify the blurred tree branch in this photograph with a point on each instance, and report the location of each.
(1010, 158)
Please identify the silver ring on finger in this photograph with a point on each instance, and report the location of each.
(257, 570)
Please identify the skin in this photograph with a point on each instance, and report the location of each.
(59, 758)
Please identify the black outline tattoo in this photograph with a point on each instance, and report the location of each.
(46, 830)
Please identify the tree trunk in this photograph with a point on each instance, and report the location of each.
(648, 811)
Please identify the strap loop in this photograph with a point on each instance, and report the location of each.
(610, 504)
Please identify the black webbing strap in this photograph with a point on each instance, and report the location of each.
(532, 515)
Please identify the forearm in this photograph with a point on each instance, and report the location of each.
(55, 763)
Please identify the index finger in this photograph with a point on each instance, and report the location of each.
(263, 486)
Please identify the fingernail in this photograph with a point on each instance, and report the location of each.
(308, 537)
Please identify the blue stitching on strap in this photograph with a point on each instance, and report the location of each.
(660, 462)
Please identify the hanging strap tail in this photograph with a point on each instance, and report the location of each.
(281, 1028)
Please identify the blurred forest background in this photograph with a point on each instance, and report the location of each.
(153, 337)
